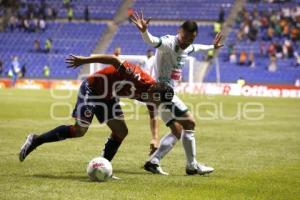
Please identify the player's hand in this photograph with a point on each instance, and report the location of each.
(217, 41)
(139, 21)
(74, 61)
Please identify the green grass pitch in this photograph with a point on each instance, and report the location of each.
(253, 159)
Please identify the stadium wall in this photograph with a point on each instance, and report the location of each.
(231, 89)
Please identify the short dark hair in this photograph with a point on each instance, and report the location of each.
(190, 26)
(164, 90)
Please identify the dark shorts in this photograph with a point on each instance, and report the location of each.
(88, 105)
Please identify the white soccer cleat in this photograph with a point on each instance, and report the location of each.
(197, 168)
(27, 147)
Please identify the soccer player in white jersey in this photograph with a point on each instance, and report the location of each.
(169, 60)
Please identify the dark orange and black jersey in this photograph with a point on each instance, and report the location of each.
(129, 81)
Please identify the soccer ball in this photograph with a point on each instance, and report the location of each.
(99, 169)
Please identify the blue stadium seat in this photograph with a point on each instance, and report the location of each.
(68, 38)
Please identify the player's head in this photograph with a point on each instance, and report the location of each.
(160, 93)
(149, 53)
(117, 51)
(187, 33)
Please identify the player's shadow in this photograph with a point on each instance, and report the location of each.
(121, 171)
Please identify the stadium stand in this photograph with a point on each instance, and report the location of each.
(81, 38)
(286, 72)
(99, 9)
(76, 38)
(180, 9)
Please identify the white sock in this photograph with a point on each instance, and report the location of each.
(166, 144)
(189, 145)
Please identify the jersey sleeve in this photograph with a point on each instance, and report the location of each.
(202, 47)
(156, 42)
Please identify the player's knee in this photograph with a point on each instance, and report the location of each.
(189, 124)
(124, 131)
(176, 129)
(120, 132)
(79, 131)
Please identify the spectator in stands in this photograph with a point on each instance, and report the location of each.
(286, 31)
(295, 33)
(26, 25)
(278, 49)
(42, 25)
(117, 51)
(49, 12)
(14, 70)
(210, 55)
(48, 45)
(241, 82)
(1, 68)
(233, 57)
(12, 23)
(297, 57)
(273, 65)
(288, 50)
(87, 14)
(23, 71)
(66, 3)
(149, 64)
(37, 46)
(54, 13)
(243, 58)
(272, 50)
(244, 31)
(217, 27)
(270, 33)
(230, 48)
(263, 49)
(252, 33)
(130, 12)
(221, 15)
(251, 62)
(42, 9)
(34, 25)
(70, 14)
(46, 71)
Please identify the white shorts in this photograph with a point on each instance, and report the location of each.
(173, 110)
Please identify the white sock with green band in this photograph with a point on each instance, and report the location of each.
(166, 144)
(189, 145)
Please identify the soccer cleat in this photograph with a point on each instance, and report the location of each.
(153, 148)
(154, 168)
(27, 147)
(198, 169)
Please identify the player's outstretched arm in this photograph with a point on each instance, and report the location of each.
(142, 25)
(75, 61)
(216, 44)
(139, 21)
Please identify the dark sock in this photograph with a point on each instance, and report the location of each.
(111, 148)
(57, 134)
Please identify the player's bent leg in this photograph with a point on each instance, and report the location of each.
(119, 132)
(187, 121)
(59, 133)
(166, 145)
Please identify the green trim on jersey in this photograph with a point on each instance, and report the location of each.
(192, 50)
(159, 44)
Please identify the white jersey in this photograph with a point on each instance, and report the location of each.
(169, 57)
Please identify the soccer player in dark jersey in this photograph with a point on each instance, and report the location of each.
(99, 95)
